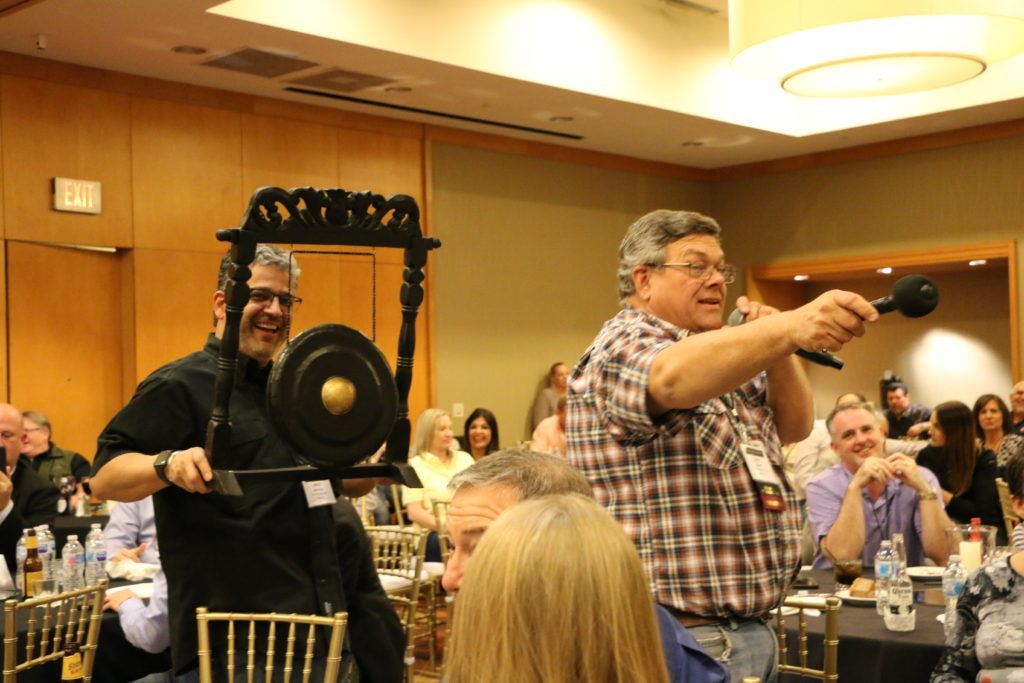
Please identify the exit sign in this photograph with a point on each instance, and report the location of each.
(79, 196)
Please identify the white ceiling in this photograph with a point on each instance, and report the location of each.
(637, 77)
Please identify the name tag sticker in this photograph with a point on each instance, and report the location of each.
(763, 474)
(318, 493)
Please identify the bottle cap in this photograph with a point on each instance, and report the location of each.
(72, 537)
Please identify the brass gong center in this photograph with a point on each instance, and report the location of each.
(338, 395)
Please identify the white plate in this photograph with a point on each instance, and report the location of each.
(926, 573)
(845, 596)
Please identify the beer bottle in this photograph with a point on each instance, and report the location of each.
(71, 665)
(32, 568)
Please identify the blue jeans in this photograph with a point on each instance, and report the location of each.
(745, 648)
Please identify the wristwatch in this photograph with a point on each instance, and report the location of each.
(160, 463)
(928, 495)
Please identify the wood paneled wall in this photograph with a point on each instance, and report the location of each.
(85, 326)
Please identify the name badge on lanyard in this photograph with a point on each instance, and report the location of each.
(761, 471)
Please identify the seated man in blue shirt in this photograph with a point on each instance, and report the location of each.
(867, 497)
(495, 483)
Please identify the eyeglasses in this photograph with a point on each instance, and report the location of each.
(265, 297)
(699, 270)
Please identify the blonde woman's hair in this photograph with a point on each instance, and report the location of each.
(425, 425)
(555, 593)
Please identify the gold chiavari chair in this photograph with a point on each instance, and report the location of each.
(434, 571)
(1010, 516)
(830, 657)
(398, 559)
(52, 621)
(290, 657)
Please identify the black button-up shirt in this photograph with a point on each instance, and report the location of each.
(265, 551)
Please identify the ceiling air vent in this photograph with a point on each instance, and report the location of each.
(259, 63)
(339, 80)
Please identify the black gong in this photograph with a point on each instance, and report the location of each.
(331, 396)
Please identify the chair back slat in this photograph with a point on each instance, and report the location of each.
(334, 626)
(51, 622)
(1010, 516)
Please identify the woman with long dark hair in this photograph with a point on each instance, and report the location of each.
(480, 433)
(994, 424)
(966, 471)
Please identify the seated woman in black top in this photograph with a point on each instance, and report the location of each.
(966, 471)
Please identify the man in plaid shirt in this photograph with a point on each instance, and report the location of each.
(676, 421)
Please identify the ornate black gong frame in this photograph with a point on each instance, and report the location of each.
(320, 217)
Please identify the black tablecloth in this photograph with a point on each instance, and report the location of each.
(867, 650)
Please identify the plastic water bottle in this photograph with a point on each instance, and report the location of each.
(20, 553)
(952, 586)
(95, 556)
(884, 565)
(47, 550)
(73, 559)
(899, 613)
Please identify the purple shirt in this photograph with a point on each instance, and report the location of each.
(896, 510)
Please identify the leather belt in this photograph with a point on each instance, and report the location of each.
(689, 620)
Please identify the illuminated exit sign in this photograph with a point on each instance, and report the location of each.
(80, 196)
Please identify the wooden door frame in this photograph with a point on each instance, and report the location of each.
(773, 282)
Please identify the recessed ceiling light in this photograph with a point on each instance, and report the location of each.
(977, 262)
(692, 143)
(398, 88)
(560, 119)
(801, 278)
(884, 271)
(189, 50)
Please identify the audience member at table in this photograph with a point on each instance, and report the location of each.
(27, 499)
(549, 436)
(130, 534)
(867, 497)
(546, 402)
(902, 414)
(555, 593)
(987, 635)
(47, 458)
(486, 490)
(966, 472)
(1017, 407)
(480, 433)
(143, 645)
(994, 424)
(436, 460)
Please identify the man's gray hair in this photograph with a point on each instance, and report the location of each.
(526, 473)
(858, 405)
(646, 239)
(266, 255)
(39, 419)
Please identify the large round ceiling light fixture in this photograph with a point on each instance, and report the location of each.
(861, 48)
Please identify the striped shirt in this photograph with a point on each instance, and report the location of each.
(678, 483)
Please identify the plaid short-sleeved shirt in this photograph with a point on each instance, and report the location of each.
(678, 483)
